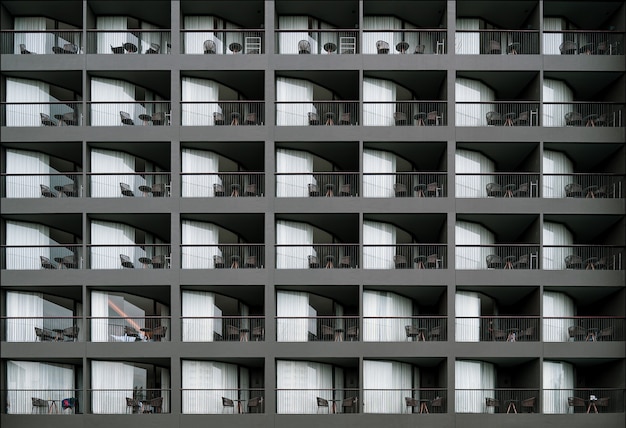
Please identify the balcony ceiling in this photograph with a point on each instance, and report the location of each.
(507, 296)
(68, 11)
(248, 227)
(245, 13)
(343, 155)
(249, 84)
(508, 85)
(344, 84)
(506, 155)
(159, 153)
(514, 17)
(70, 80)
(424, 85)
(424, 156)
(247, 155)
(424, 295)
(157, 224)
(589, 86)
(70, 152)
(344, 227)
(425, 228)
(70, 223)
(251, 295)
(346, 295)
(590, 229)
(589, 296)
(154, 11)
(339, 13)
(585, 14)
(508, 228)
(588, 156)
(425, 14)
(157, 81)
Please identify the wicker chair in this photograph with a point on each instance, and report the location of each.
(494, 261)
(382, 47)
(494, 190)
(568, 47)
(573, 262)
(573, 118)
(304, 47)
(209, 47)
(493, 118)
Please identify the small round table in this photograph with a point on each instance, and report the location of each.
(590, 263)
(330, 262)
(419, 190)
(513, 48)
(330, 190)
(330, 118)
(234, 190)
(512, 335)
(235, 47)
(330, 47)
(402, 47)
(130, 48)
(508, 261)
(234, 118)
(419, 261)
(508, 118)
(145, 261)
(59, 117)
(145, 118)
(419, 118)
(234, 262)
(508, 190)
(145, 190)
(590, 191)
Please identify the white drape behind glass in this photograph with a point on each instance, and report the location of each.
(301, 93)
(199, 304)
(379, 98)
(206, 91)
(559, 235)
(194, 41)
(558, 384)
(292, 304)
(232, 37)
(149, 37)
(26, 162)
(122, 236)
(205, 383)
(200, 161)
(25, 234)
(293, 161)
(467, 304)
(471, 162)
(378, 161)
(109, 39)
(293, 233)
(166, 389)
(480, 239)
(385, 384)
(378, 307)
(28, 307)
(467, 43)
(104, 113)
(288, 42)
(473, 382)
(556, 91)
(26, 379)
(37, 43)
(476, 93)
(380, 23)
(299, 383)
(199, 233)
(110, 161)
(383, 235)
(556, 304)
(552, 41)
(556, 163)
(111, 382)
(99, 314)
(26, 91)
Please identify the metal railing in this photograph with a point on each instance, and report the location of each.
(222, 401)
(317, 112)
(154, 42)
(217, 113)
(515, 328)
(43, 401)
(405, 41)
(497, 256)
(41, 329)
(317, 256)
(125, 113)
(129, 329)
(41, 42)
(223, 42)
(46, 257)
(405, 185)
(317, 401)
(328, 41)
(498, 400)
(583, 257)
(317, 329)
(233, 184)
(138, 184)
(497, 42)
(584, 114)
(223, 256)
(411, 329)
(405, 113)
(317, 184)
(50, 115)
(497, 113)
(583, 400)
(140, 256)
(498, 185)
(405, 256)
(227, 329)
(58, 185)
(583, 329)
(583, 185)
(129, 401)
(583, 42)
(405, 401)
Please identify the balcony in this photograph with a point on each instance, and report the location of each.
(56, 401)
(497, 113)
(405, 256)
(318, 401)
(129, 329)
(139, 113)
(518, 328)
(221, 42)
(318, 184)
(317, 256)
(405, 401)
(142, 185)
(583, 42)
(317, 329)
(46, 257)
(497, 400)
(223, 256)
(311, 113)
(580, 185)
(140, 256)
(137, 42)
(224, 329)
(405, 113)
(497, 42)
(497, 257)
(583, 400)
(60, 42)
(219, 401)
(129, 401)
(583, 257)
(583, 329)
(583, 114)
(405, 185)
(216, 113)
(61, 185)
(498, 185)
(233, 184)
(405, 41)
(42, 329)
(329, 41)
(413, 329)
(49, 115)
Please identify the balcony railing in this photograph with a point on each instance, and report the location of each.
(138, 184)
(223, 256)
(312, 113)
(317, 401)
(405, 185)
(498, 400)
(31, 114)
(140, 256)
(36, 257)
(584, 114)
(129, 401)
(317, 329)
(135, 42)
(129, 329)
(583, 329)
(582, 185)
(227, 329)
(498, 185)
(405, 401)
(220, 42)
(216, 113)
(405, 256)
(410, 329)
(317, 184)
(577, 42)
(405, 41)
(59, 185)
(497, 256)
(43, 401)
(517, 328)
(41, 42)
(497, 113)
(218, 401)
(497, 42)
(329, 41)
(583, 257)
(41, 329)
(317, 256)
(405, 113)
(583, 400)
(137, 113)
(233, 184)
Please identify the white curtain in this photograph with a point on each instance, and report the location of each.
(383, 235)
(293, 233)
(473, 382)
(122, 236)
(559, 305)
(471, 162)
(26, 379)
(149, 37)
(122, 92)
(381, 23)
(26, 162)
(194, 41)
(204, 384)
(467, 304)
(556, 163)
(476, 93)
(25, 234)
(558, 384)
(378, 307)
(556, 91)
(559, 235)
(36, 42)
(552, 41)
(385, 385)
(298, 384)
(26, 91)
(294, 161)
(204, 90)
(200, 304)
(379, 98)
(467, 43)
(200, 161)
(199, 233)
(109, 39)
(468, 233)
(111, 382)
(166, 389)
(288, 42)
(232, 37)
(28, 308)
(111, 161)
(378, 161)
(301, 93)
(100, 315)
(292, 304)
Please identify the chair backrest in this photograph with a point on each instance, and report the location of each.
(345, 119)
(410, 330)
(71, 332)
(398, 260)
(70, 48)
(218, 118)
(158, 261)
(227, 402)
(493, 116)
(46, 120)
(411, 402)
(576, 401)
(250, 261)
(491, 402)
(255, 402)
(322, 402)
(603, 401)
(126, 190)
(126, 119)
(529, 402)
(251, 189)
(606, 333)
(399, 115)
(493, 189)
(154, 48)
(158, 118)
(157, 404)
(437, 402)
(70, 118)
(159, 332)
(304, 47)
(312, 188)
(419, 49)
(209, 47)
(218, 261)
(46, 263)
(399, 187)
(218, 188)
(382, 46)
(251, 118)
(494, 46)
(126, 262)
(158, 189)
(349, 403)
(131, 402)
(493, 260)
(568, 46)
(312, 117)
(38, 402)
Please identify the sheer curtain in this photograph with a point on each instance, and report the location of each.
(194, 41)
(26, 379)
(468, 233)
(26, 162)
(380, 23)
(378, 161)
(38, 43)
(204, 384)
(473, 382)
(552, 41)
(199, 304)
(100, 315)
(471, 162)
(294, 161)
(292, 304)
(377, 91)
(199, 161)
(122, 236)
(556, 163)
(195, 90)
(110, 161)
(298, 384)
(26, 91)
(558, 383)
(556, 91)
(232, 36)
(556, 234)
(293, 233)
(467, 43)
(199, 233)
(111, 382)
(120, 91)
(288, 42)
(385, 384)
(28, 307)
(26, 235)
(377, 307)
(301, 93)
(560, 305)
(384, 236)
(467, 304)
(477, 93)
(109, 39)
